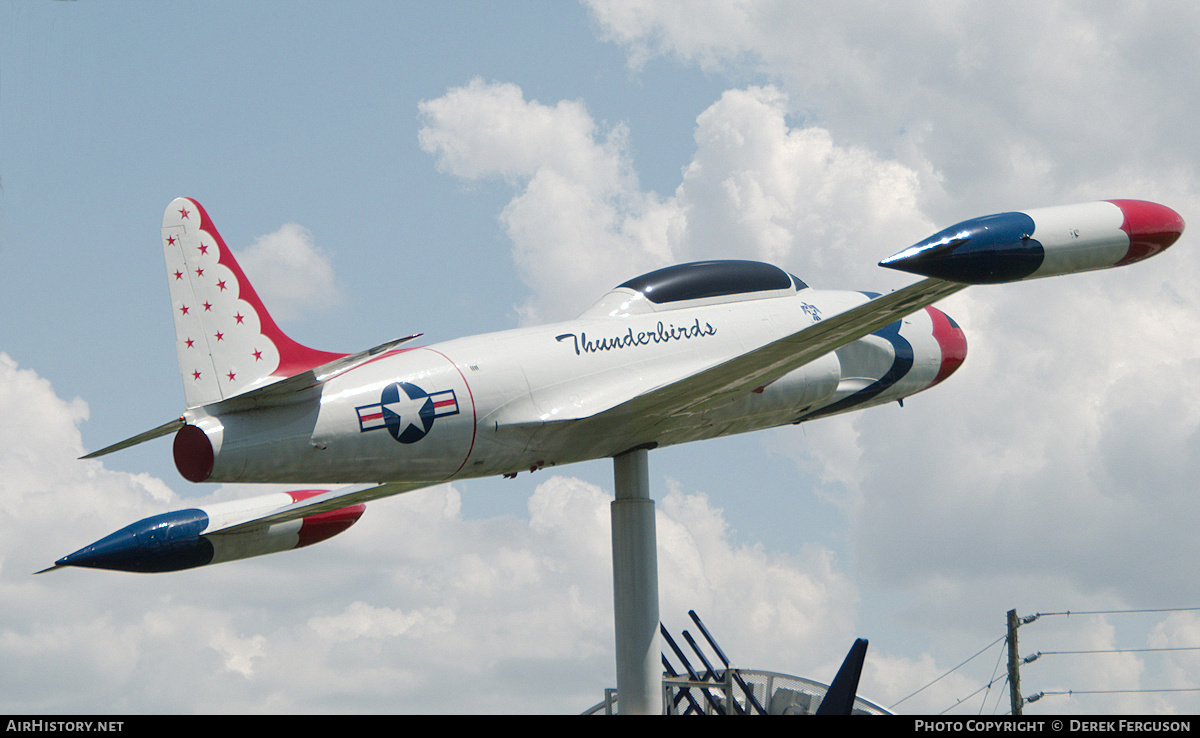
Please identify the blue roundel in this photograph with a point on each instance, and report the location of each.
(407, 411)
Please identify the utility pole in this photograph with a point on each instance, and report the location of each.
(1014, 665)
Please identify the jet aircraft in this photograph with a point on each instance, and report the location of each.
(680, 354)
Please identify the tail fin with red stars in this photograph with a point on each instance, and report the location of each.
(226, 341)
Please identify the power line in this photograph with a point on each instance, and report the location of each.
(1068, 613)
(1116, 612)
(1114, 650)
(943, 676)
(995, 668)
(1070, 692)
(964, 699)
(1029, 619)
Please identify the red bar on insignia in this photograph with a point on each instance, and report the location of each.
(370, 417)
(444, 403)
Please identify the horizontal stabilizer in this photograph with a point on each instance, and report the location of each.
(276, 393)
(281, 392)
(161, 430)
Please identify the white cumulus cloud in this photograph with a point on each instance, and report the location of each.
(289, 272)
(757, 187)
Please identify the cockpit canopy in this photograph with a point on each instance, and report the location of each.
(702, 279)
(697, 283)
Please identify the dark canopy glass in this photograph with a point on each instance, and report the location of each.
(711, 279)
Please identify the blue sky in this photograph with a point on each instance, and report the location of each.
(451, 169)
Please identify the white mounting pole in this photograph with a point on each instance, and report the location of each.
(635, 587)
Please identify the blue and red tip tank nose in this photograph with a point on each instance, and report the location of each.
(1045, 242)
(951, 340)
(167, 542)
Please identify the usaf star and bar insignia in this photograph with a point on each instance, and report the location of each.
(406, 411)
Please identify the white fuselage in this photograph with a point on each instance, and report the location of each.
(521, 399)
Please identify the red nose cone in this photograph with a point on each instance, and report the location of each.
(951, 340)
(1151, 228)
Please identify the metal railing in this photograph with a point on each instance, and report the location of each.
(711, 690)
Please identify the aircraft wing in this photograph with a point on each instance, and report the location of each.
(334, 499)
(761, 366)
(276, 393)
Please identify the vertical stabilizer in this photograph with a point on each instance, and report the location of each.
(226, 341)
(839, 698)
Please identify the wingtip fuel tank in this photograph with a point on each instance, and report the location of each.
(185, 539)
(1013, 246)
